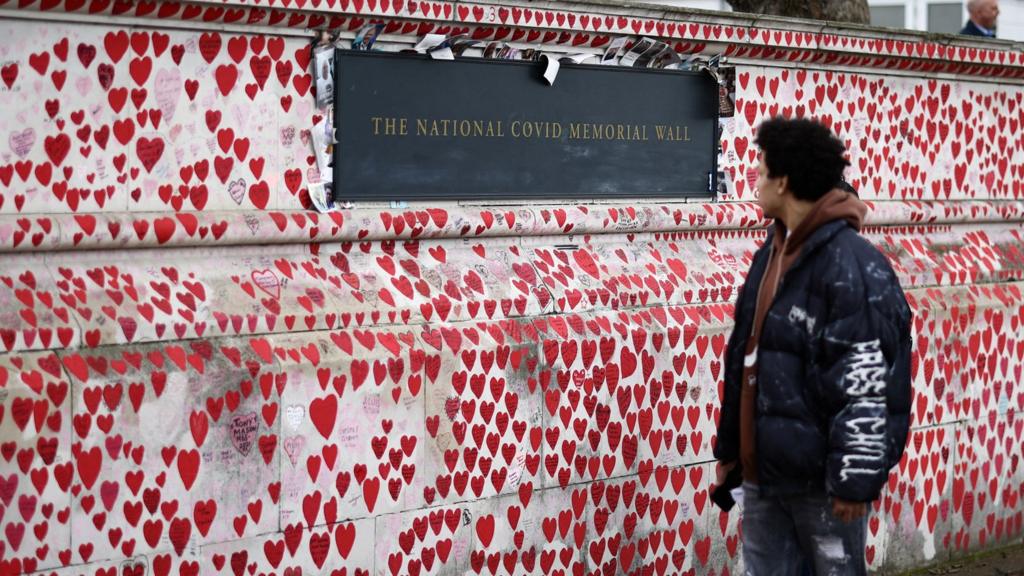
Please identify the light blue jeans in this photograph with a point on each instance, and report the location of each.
(779, 534)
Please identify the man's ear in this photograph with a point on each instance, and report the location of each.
(784, 180)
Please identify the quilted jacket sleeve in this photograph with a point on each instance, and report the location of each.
(727, 442)
(864, 372)
(726, 447)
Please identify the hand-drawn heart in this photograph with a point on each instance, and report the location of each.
(226, 75)
(188, 467)
(9, 74)
(168, 91)
(22, 142)
(236, 190)
(267, 281)
(323, 412)
(149, 152)
(243, 431)
(57, 148)
(293, 447)
(259, 194)
(294, 415)
(116, 44)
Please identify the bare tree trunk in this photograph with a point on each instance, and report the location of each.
(834, 10)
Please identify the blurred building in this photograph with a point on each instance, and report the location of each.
(943, 16)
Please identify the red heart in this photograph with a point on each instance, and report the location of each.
(188, 467)
(149, 151)
(344, 538)
(323, 412)
(209, 46)
(226, 76)
(259, 194)
(485, 529)
(371, 488)
(88, 463)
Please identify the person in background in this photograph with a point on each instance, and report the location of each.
(982, 17)
(816, 406)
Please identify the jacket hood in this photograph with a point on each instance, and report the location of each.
(835, 205)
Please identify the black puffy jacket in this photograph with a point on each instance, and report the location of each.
(834, 385)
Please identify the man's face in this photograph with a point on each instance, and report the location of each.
(987, 14)
(768, 197)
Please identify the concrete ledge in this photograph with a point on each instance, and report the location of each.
(125, 230)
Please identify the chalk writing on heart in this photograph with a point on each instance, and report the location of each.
(348, 436)
(243, 431)
(8, 487)
(371, 405)
(288, 135)
(22, 142)
(236, 190)
(293, 447)
(149, 151)
(253, 223)
(105, 74)
(168, 91)
(267, 281)
(295, 413)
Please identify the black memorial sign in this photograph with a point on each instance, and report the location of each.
(412, 128)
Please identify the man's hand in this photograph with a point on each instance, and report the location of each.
(848, 511)
(722, 470)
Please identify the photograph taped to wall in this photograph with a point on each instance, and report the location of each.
(611, 54)
(637, 54)
(366, 36)
(324, 67)
(726, 92)
(667, 59)
(646, 60)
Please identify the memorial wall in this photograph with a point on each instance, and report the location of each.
(200, 373)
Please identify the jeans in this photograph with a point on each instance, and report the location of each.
(779, 534)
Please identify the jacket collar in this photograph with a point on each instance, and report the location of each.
(984, 31)
(821, 236)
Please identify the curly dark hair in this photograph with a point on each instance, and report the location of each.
(804, 150)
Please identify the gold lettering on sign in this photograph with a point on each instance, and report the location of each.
(672, 133)
(533, 129)
(460, 128)
(614, 132)
(390, 126)
(528, 129)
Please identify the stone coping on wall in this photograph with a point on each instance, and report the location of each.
(573, 26)
(94, 298)
(126, 230)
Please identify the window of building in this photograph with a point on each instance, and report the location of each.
(945, 17)
(893, 16)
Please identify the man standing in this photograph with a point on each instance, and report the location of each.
(983, 15)
(817, 370)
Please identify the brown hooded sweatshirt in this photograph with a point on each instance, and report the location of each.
(785, 247)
